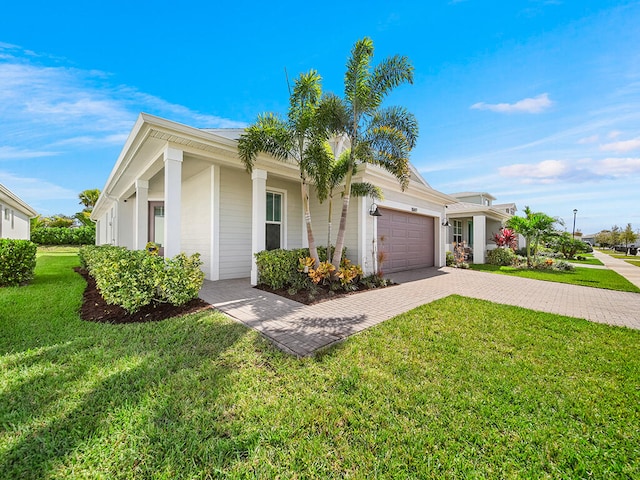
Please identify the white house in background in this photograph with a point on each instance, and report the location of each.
(474, 219)
(15, 216)
(186, 189)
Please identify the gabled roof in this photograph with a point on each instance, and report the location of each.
(10, 198)
(462, 209)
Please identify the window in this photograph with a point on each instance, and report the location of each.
(274, 221)
(6, 213)
(457, 231)
(13, 216)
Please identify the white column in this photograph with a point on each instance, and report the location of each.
(172, 201)
(258, 219)
(479, 238)
(141, 214)
(214, 273)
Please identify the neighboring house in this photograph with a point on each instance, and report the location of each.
(186, 189)
(474, 219)
(15, 216)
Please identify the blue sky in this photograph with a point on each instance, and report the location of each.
(534, 101)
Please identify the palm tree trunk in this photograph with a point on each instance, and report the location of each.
(313, 250)
(337, 254)
(329, 220)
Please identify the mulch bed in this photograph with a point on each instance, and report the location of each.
(95, 309)
(322, 295)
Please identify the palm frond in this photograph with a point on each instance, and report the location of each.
(269, 134)
(357, 85)
(389, 74)
(304, 100)
(399, 119)
(366, 189)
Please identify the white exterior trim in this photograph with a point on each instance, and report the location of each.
(258, 218)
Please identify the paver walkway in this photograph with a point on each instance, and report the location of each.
(301, 330)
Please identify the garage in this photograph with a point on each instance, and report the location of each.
(407, 240)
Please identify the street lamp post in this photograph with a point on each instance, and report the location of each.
(573, 233)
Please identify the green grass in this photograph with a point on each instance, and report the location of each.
(589, 277)
(589, 260)
(459, 388)
(634, 262)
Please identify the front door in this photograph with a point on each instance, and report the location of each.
(156, 224)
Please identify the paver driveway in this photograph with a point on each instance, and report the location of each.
(302, 329)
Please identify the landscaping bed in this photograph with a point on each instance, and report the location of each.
(95, 309)
(321, 294)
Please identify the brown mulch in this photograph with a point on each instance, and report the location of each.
(322, 294)
(95, 309)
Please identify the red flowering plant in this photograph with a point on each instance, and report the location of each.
(506, 238)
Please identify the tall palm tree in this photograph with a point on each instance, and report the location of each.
(332, 180)
(88, 198)
(296, 138)
(534, 226)
(378, 136)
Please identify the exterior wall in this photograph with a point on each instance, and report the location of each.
(196, 214)
(235, 223)
(493, 227)
(17, 226)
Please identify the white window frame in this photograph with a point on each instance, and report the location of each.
(283, 215)
(457, 231)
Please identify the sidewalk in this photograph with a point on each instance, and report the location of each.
(628, 271)
(301, 330)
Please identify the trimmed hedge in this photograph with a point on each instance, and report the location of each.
(85, 235)
(136, 278)
(279, 268)
(17, 261)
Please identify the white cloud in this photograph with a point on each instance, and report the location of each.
(33, 190)
(618, 167)
(555, 171)
(622, 146)
(588, 140)
(527, 105)
(12, 153)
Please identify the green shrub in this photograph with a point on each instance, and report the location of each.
(17, 261)
(279, 268)
(501, 256)
(85, 235)
(450, 259)
(135, 278)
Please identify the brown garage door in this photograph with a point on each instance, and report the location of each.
(406, 240)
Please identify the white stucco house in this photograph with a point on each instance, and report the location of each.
(475, 219)
(15, 216)
(186, 189)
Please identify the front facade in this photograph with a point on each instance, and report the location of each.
(187, 190)
(474, 220)
(15, 216)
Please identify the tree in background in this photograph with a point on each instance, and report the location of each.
(568, 246)
(534, 227)
(603, 238)
(628, 236)
(88, 198)
(377, 136)
(614, 235)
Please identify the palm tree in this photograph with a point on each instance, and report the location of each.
(378, 136)
(534, 226)
(335, 176)
(297, 138)
(88, 198)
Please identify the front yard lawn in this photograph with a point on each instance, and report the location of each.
(589, 260)
(459, 388)
(634, 262)
(589, 277)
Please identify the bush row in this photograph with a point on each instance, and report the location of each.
(279, 268)
(85, 235)
(17, 261)
(136, 278)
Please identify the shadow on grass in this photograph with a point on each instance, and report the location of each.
(83, 397)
